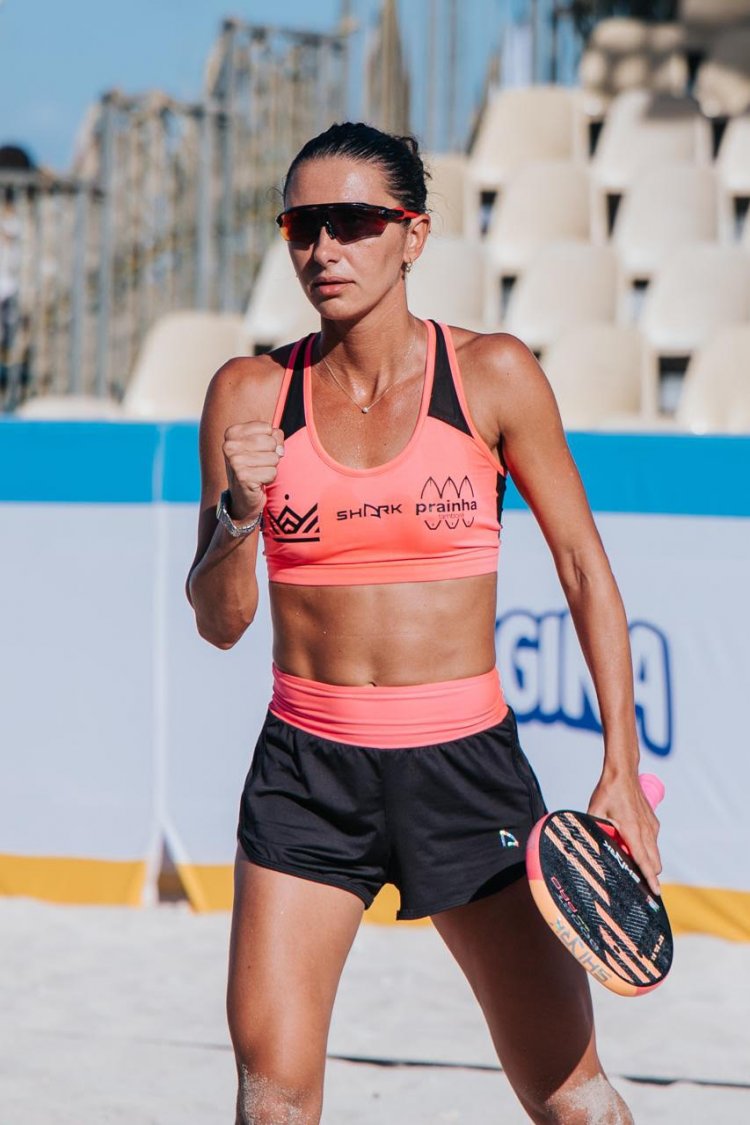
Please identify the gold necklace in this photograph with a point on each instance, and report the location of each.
(368, 408)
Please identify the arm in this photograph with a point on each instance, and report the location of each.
(241, 455)
(537, 455)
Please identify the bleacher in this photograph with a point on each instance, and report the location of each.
(605, 225)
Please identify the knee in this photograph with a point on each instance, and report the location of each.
(266, 1099)
(592, 1102)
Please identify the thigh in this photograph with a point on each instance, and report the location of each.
(290, 939)
(534, 996)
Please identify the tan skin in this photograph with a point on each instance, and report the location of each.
(290, 937)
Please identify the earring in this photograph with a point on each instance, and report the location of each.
(407, 267)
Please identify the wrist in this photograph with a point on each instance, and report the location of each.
(236, 526)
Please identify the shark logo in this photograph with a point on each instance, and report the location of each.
(447, 504)
(507, 839)
(290, 526)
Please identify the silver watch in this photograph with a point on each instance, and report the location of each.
(236, 530)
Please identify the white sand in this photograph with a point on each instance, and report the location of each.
(117, 1016)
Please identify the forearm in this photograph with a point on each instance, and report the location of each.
(223, 589)
(599, 618)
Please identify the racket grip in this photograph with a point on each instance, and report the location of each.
(653, 788)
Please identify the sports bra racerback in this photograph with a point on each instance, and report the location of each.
(432, 512)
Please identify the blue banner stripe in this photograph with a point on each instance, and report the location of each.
(138, 463)
(79, 462)
(665, 474)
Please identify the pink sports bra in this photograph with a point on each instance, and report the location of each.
(433, 512)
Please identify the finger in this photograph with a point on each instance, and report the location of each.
(278, 436)
(254, 442)
(241, 430)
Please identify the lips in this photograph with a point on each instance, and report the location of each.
(328, 282)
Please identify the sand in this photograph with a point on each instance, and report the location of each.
(117, 1016)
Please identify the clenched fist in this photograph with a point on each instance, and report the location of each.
(252, 450)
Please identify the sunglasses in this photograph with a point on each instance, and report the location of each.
(346, 222)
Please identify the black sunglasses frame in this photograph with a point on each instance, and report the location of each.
(381, 216)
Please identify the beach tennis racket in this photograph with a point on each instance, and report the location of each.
(596, 900)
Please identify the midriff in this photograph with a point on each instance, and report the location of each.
(391, 634)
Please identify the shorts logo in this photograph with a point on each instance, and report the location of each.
(447, 504)
(507, 839)
(291, 527)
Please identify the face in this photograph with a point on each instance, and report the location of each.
(346, 280)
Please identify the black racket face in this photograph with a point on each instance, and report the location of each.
(600, 891)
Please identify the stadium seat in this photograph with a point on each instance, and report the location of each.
(667, 206)
(447, 191)
(641, 128)
(519, 126)
(733, 157)
(624, 54)
(716, 392)
(69, 408)
(697, 290)
(722, 84)
(180, 353)
(447, 282)
(544, 202)
(566, 283)
(278, 310)
(595, 372)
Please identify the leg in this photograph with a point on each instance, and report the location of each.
(290, 939)
(537, 1004)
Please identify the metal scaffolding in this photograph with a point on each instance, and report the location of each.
(169, 205)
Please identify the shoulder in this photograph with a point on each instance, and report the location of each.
(497, 354)
(247, 386)
(501, 375)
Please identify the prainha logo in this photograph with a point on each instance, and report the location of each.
(447, 503)
(545, 677)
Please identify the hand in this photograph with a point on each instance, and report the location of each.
(622, 801)
(252, 451)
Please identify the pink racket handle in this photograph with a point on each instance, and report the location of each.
(653, 788)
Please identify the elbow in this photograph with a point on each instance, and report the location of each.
(221, 635)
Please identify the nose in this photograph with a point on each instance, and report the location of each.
(326, 243)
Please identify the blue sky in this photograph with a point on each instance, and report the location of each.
(58, 56)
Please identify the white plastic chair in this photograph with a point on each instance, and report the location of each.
(518, 127)
(446, 197)
(722, 84)
(643, 128)
(447, 282)
(595, 372)
(565, 283)
(69, 408)
(179, 355)
(547, 201)
(716, 391)
(696, 291)
(668, 206)
(278, 310)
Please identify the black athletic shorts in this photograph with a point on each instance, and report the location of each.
(447, 824)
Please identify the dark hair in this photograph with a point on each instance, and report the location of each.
(399, 158)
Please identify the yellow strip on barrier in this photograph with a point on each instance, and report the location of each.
(699, 910)
(73, 881)
(707, 910)
(209, 887)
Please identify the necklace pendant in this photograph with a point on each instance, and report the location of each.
(365, 409)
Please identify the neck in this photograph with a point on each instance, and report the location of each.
(372, 349)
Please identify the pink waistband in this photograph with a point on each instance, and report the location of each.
(390, 718)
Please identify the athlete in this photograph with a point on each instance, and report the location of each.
(372, 457)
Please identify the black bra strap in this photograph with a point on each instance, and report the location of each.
(293, 414)
(444, 404)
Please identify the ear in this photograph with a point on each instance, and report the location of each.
(416, 237)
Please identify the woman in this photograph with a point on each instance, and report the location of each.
(375, 453)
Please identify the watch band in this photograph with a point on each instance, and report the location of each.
(236, 530)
